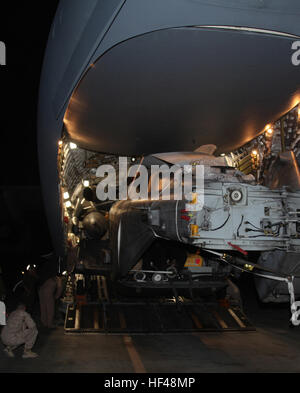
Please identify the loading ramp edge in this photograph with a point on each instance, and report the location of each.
(154, 318)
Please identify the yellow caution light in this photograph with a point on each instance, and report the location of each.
(195, 199)
(194, 230)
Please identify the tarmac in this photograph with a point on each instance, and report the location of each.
(273, 348)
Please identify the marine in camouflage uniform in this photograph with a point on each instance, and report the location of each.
(49, 292)
(20, 329)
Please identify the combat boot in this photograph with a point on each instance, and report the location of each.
(9, 352)
(28, 354)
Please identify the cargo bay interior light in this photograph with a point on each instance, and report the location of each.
(30, 267)
(66, 195)
(86, 183)
(68, 204)
(73, 146)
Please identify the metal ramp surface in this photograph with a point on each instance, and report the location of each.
(153, 317)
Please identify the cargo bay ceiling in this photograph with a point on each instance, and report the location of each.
(173, 75)
(177, 89)
(146, 76)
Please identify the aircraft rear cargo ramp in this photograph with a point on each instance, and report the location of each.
(137, 315)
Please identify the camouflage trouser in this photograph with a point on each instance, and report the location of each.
(27, 337)
(47, 302)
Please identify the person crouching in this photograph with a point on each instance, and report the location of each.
(20, 329)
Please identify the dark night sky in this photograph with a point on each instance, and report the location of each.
(24, 28)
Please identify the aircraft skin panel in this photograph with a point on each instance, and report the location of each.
(66, 34)
(178, 89)
(83, 31)
(138, 17)
(99, 21)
